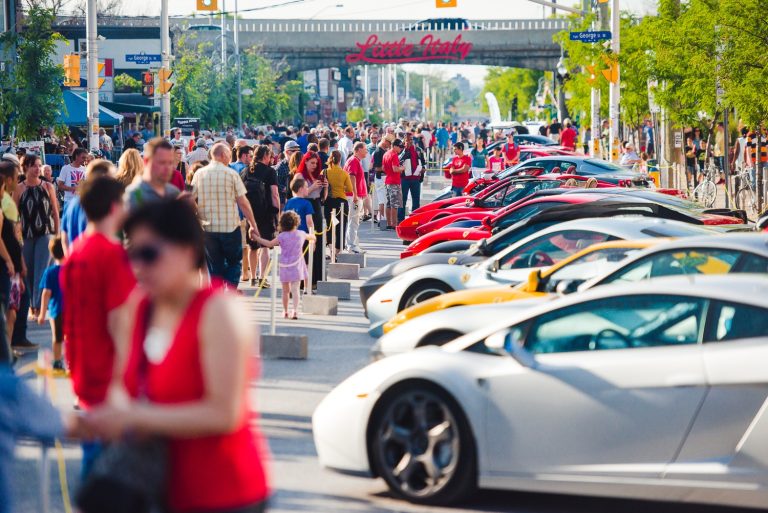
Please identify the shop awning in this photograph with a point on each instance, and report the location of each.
(77, 112)
(126, 108)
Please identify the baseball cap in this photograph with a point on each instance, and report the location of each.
(291, 145)
(200, 143)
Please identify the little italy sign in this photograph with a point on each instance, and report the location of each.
(430, 48)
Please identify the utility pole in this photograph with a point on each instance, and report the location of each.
(165, 51)
(239, 74)
(223, 39)
(394, 89)
(93, 75)
(614, 87)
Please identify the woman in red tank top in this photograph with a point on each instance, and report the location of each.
(191, 359)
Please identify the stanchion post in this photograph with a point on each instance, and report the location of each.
(311, 259)
(342, 233)
(273, 291)
(333, 236)
(43, 364)
(325, 244)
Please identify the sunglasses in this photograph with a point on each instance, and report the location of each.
(146, 255)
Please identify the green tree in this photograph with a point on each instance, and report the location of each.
(124, 83)
(32, 98)
(508, 83)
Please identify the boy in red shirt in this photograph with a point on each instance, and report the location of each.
(393, 182)
(96, 280)
(568, 136)
(459, 169)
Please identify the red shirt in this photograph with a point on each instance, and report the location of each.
(461, 179)
(568, 138)
(95, 280)
(495, 164)
(207, 473)
(512, 152)
(356, 173)
(390, 161)
(177, 180)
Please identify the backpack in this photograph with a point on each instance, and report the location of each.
(256, 192)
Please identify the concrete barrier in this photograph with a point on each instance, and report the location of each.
(320, 305)
(352, 258)
(288, 347)
(383, 225)
(338, 289)
(343, 271)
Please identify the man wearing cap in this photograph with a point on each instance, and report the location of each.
(284, 171)
(393, 181)
(199, 154)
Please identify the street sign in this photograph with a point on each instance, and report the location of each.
(678, 139)
(187, 125)
(590, 36)
(143, 58)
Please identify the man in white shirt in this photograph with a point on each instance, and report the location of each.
(71, 174)
(630, 157)
(200, 153)
(346, 144)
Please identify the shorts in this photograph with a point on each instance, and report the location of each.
(380, 191)
(394, 196)
(14, 299)
(58, 329)
(266, 231)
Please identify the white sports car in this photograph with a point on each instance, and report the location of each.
(735, 253)
(515, 263)
(653, 389)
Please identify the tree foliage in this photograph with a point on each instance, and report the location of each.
(508, 83)
(32, 96)
(203, 91)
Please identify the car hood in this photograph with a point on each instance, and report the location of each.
(401, 266)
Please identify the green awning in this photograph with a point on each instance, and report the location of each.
(125, 108)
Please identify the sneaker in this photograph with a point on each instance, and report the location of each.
(366, 218)
(355, 250)
(59, 371)
(25, 345)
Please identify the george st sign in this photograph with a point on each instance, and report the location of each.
(591, 36)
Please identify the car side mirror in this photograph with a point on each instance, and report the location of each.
(534, 281)
(565, 287)
(487, 222)
(509, 341)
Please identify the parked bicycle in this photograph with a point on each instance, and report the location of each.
(705, 192)
(746, 197)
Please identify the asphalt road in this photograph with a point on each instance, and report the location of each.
(286, 396)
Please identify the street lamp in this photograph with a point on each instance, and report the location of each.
(561, 69)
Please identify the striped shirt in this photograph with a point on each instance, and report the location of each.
(752, 146)
(217, 188)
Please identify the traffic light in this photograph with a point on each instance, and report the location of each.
(163, 76)
(148, 84)
(207, 5)
(612, 73)
(72, 70)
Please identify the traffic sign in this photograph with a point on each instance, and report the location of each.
(206, 5)
(590, 36)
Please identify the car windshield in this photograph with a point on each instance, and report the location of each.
(588, 266)
(607, 166)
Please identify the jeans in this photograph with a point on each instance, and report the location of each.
(457, 191)
(224, 252)
(91, 451)
(340, 206)
(38, 258)
(414, 188)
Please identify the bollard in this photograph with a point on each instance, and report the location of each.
(333, 236)
(273, 292)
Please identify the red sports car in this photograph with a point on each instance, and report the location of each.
(504, 192)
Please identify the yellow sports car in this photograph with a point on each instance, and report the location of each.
(565, 276)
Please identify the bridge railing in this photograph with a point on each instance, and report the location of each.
(381, 26)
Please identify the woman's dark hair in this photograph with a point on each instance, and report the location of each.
(261, 152)
(289, 221)
(172, 220)
(7, 168)
(335, 158)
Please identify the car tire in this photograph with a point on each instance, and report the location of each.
(439, 338)
(421, 291)
(422, 446)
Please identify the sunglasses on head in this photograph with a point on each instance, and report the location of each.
(146, 255)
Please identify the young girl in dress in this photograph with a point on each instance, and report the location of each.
(293, 268)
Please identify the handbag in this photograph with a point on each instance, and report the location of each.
(130, 475)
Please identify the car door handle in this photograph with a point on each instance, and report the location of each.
(684, 380)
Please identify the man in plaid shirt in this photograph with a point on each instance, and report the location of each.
(219, 191)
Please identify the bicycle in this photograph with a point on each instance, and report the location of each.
(746, 198)
(706, 191)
